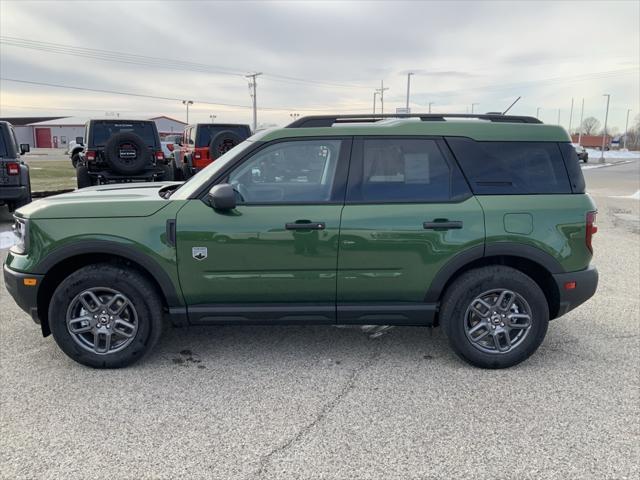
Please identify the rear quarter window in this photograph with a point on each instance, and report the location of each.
(3, 145)
(511, 168)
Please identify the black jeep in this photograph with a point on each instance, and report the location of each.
(15, 186)
(121, 151)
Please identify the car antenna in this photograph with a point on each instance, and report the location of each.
(516, 101)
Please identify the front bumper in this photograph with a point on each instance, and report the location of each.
(586, 283)
(13, 193)
(25, 296)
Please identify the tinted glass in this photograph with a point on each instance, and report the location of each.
(573, 167)
(103, 131)
(411, 170)
(207, 132)
(3, 146)
(288, 172)
(511, 168)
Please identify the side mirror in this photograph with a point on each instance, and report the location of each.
(222, 197)
(24, 148)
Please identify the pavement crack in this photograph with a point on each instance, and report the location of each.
(320, 415)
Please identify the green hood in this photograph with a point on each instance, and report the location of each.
(102, 201)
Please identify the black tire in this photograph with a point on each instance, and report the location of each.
(474, 283)
(142, 295)
(222, 142)
(126, 153)
(169, 172)
(83, 178)
(75, 159)
(186, 171)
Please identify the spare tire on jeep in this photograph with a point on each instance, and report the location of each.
(222, 143)
(126, 153)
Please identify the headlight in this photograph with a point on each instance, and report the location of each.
(21, 231)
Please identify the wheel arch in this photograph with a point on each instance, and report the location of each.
(533, 262)
(64, 261)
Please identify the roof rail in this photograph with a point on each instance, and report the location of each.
(329, 120)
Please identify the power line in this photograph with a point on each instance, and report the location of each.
(143, 60)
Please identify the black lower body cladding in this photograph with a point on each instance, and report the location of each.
(575, 288)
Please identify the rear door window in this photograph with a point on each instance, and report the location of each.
(402, 170)
(511, 168)
(3, 145)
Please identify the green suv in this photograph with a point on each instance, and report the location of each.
(479, 224)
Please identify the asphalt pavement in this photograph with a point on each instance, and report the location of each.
(329, 403)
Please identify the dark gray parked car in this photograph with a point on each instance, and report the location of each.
(15, 186)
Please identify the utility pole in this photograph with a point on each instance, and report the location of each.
(571, 116)
(430, 103)
(626, 129)
(559, 116)
(580, 126)
(252, 89)
(187, 103)
(473, 105)
(408, 88)
(604, 132)
(538, 113)
(375, 94)
(381, 92)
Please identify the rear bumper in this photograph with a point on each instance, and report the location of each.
(13, 193)
(26, 297)
(586, 283)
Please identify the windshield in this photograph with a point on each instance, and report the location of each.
(203, 176)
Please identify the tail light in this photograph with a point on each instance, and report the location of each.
(90, 155)
(170, 146)
(13, 168)
(591, 229)
(159, 156)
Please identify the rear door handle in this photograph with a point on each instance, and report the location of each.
(305, 226)
(443, 225)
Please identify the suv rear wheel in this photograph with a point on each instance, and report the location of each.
(105, 316)
(494, 317)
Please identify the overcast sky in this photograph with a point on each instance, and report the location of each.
(338, 52)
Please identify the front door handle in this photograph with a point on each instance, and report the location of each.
(442, 225)
(305, 225)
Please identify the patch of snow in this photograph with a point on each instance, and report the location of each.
(634, 196)
(7, 240)
(593, 153)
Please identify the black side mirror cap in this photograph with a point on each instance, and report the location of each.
(24, 148)
(222, 197)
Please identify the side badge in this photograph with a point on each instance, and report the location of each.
(199, 253)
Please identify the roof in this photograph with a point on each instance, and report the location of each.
(473, 128)
(23, 121)
(168, 118)
(61, 122)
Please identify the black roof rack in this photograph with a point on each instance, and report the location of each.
(330, 120)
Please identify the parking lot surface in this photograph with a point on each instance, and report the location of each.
(323, 402)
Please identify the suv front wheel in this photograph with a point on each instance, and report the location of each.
(494, 317)
(105, 316)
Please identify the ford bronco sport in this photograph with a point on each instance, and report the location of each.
(15, 184)
(202, 143)
(121, 151)
(479, 224)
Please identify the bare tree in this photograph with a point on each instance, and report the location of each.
(590, 126)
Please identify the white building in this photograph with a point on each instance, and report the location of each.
(59, 132)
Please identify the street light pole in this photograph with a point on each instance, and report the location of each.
(538, 113)
(430, 103)
(187, 103)
(571, 116)
(580, 126)
(252, 85)
(604, 132)
(626, 129)
(473, 106)
(213, 117)
(408, 88)
(558, 116)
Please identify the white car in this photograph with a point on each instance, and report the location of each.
(74, 151)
